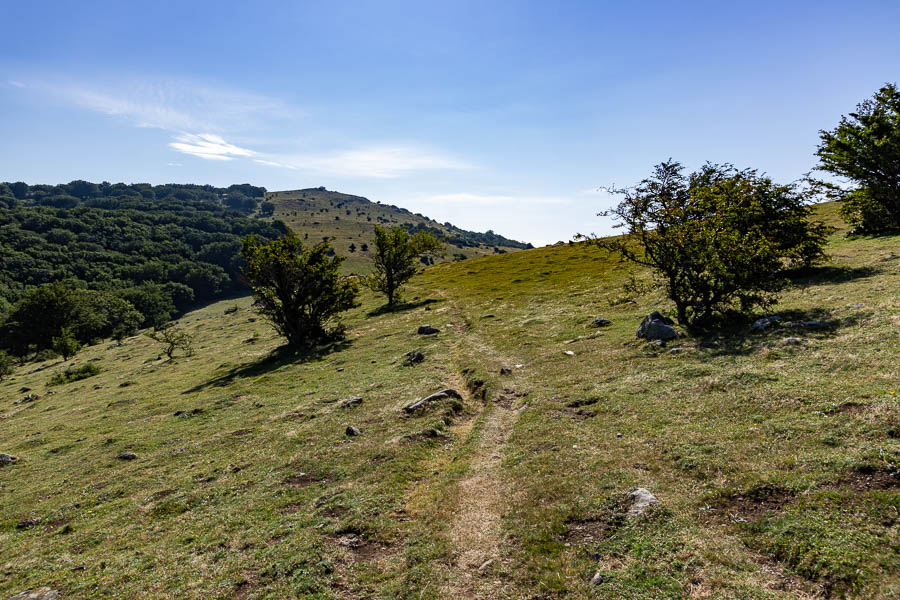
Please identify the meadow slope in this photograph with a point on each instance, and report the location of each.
(316, 214)
(775, 463)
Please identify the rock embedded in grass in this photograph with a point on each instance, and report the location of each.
(8, 459)
(127, 456)
(443, 394)
(428, 330)
(43, 593)
(600, 322)
(350, 402)
(353, 431)
(641, 499)
(792, 341)
(412, 358)
(28, 523)
(655, 326)
(765, 323)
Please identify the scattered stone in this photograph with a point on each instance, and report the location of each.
(597, 579)
(520, 366)
(600, 322)
(765, 323)
(658, 343)
(792, 341)
(412, 358)
(350, 541)
(486, 564)
(188, 413)
(447, 393)
(428, 330)
(619, 434)
(350, 402)
(23, 390)
(28, 523)
(641, 499)
(27, 398)
(353, 431)
(676, 350)
(127, 456)
(340, 369)
(657, 327)
(505, 371)
(43, 593)
(8, 459)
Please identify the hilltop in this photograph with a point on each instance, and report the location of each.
(317, 213)
(773, 455)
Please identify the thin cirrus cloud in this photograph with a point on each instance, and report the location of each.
(201, 118)
(380, 162)
(209, 147)
(172, 105)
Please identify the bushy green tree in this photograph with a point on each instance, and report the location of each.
(66, 344)
(397, 255)
(153, 301)
(299, 289)
(719, 239)
(865, 148)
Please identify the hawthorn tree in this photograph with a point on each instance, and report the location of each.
(719, 239)
(865, 149)
(298, 288)
(396, 258)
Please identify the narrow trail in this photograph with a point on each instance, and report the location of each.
(476, 530)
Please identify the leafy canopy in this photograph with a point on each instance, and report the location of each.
(299, 289)
(719, 239)
(396, 258)
(865, 148)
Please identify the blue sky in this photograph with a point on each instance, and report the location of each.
(492, 115)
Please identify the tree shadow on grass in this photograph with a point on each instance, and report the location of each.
(403, 307)
(737, 338)
(825, 274)
(278, 358)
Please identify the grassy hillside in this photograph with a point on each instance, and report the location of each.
(775, 463)
(318, 213)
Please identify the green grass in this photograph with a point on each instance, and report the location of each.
(775, 465)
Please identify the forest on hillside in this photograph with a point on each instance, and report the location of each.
(170, 245)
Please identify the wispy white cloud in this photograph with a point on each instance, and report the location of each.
(171, 104)
(15, 83)
(208, 146)
(272, 163)
(383, 162)
(201, 118)
(494, 199)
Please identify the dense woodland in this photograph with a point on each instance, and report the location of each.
(159, 249)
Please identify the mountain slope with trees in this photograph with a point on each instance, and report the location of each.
(230, 472)
(349, 223)
(160, 248)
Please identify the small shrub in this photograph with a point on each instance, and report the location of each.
(75, 374)
(45, 355)
(174, 338)
(7, 365)
(66, 344)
